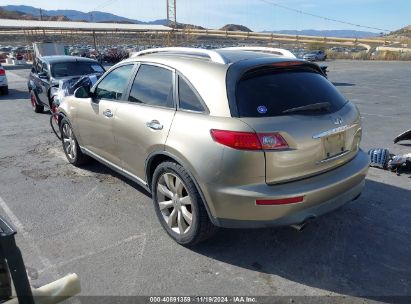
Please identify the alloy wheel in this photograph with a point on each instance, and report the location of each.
(69, 142)
(174, 203)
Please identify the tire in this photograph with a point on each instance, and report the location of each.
(173, 187)
(5, 90)
(70, 145)
(5, 281)
(34, 103)
(54, 110)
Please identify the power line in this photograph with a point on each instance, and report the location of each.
(94, 9)
(104, 4)
(322, 17)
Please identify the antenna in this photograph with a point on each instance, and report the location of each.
(172, 13)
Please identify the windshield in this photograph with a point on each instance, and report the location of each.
(272, 93)
(64, 69)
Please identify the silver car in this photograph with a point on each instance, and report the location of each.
(239, 137)
(315, 56)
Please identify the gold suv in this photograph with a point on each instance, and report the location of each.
(234, 137)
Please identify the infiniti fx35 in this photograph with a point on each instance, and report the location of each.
(221, 138)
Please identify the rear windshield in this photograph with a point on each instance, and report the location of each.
(271, 92)
(64, 69)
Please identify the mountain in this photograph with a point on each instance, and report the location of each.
(179, 25)
(235, 27)
(328, 33)
(32, 13)
(22, 9)
(404, 32)
(5, 14)
(73, 15)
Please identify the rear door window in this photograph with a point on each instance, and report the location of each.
(153, 85)
(271, 92)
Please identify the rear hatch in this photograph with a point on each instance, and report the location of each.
(322, 129)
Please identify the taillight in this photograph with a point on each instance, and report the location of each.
(2, 72)
(272, 141)
(249, 140)
(237, 140)
(281, 201)
(288, 63)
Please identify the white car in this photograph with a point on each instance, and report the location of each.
(315, 56)
(4, 86)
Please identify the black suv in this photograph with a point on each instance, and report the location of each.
(47, 71)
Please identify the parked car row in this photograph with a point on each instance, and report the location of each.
(17, 52)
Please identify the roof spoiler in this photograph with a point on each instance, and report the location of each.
(273, 51)
(213, 55)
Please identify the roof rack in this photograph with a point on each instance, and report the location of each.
(213, 55)
(276, 51)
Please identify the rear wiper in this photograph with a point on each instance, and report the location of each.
(320, 106)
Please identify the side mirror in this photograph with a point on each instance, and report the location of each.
(83, 92)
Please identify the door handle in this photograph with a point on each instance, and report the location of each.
(155, 125)
(108, 113)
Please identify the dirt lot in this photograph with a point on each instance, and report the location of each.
(97, 224)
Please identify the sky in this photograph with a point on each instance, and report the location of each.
(258, 15)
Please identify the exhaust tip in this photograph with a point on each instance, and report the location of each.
(301, 226)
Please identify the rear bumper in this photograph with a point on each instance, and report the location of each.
(235, 207)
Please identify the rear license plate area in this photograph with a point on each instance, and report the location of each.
(334, 145)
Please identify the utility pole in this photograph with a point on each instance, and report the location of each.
(41, 15)
(171, 21)
(172, 13)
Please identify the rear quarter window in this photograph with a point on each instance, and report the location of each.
(271, 92)
(188, 99)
